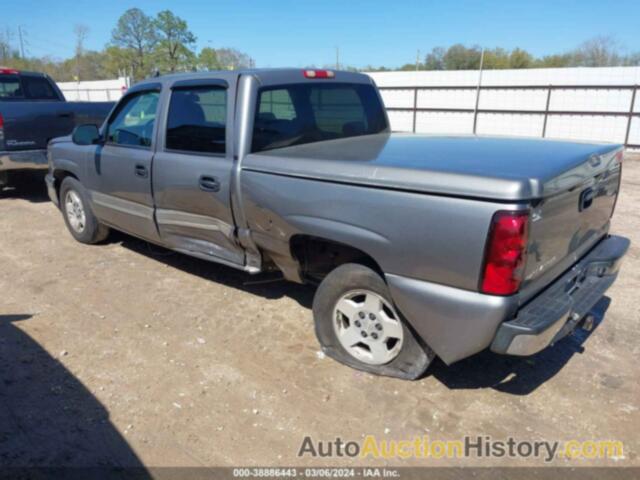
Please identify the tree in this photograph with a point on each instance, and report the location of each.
(208, 59)
(495, 59)
(117, 61)
(81, 32)
(435, 59)
(135, 32)
(174, 40)
(597, 52)
(555, 61)
(519, 58)
(6, 48)
(632, 60)
(231, 59)
(459, 57)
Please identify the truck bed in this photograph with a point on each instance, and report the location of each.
(502, 169)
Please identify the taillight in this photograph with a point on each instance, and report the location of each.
(1, 122)
(505, 254)
(319, 74)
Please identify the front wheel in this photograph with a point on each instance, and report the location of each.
(81, 222)
(358, 325)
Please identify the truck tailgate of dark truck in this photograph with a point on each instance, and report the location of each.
(33, 110)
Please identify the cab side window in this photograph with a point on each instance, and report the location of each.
(197, 120)
(39, 88)
(134, 121)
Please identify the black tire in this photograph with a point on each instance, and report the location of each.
(93, 231)
(413, 358)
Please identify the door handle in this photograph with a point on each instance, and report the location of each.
(209, 184)
(141, 171)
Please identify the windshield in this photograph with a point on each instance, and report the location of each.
(305, 113)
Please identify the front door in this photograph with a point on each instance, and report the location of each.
(192, 172)
(121, 169)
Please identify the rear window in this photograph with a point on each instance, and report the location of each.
(21, 87)
(305, 113)
(38, 88)
(10, 87)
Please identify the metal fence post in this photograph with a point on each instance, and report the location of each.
(415, 108)
(630, 117)
(546, 112)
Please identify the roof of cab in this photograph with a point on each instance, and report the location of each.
(266, 76)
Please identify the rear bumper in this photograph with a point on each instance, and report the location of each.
(458, 323)
(23, 160)
(561, 307)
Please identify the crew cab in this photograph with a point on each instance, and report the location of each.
(33, 110)
(422, 246)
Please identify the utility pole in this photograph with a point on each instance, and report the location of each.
(475, 112)
(418, 60)
(21, 41)
(337, 58)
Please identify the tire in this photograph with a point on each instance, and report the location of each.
(389, 347)
(81, 222)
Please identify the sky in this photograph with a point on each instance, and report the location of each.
(277, 33)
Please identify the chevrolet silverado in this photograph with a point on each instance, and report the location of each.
(422, 246)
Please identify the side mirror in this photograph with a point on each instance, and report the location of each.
(86, 135)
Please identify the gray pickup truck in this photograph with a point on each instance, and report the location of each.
(33, 110)
(422, 246)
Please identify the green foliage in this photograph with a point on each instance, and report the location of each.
(459, 57)
(174, 41)
(208, 59)
(140, 46)
(435, 59)
(231, 59)
(519, 58)
(596, 52)
(135, 36)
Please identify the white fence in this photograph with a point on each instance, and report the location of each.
(597, 104)
(95, 91)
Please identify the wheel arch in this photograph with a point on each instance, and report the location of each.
(59, 174)
(316, 256)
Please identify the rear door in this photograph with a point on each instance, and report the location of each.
(192, 171)
(121, 168)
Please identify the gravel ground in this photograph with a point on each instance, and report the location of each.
(127, 354)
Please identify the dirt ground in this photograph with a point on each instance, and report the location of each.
(127, 354)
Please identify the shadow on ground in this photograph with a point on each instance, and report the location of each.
(508, 374)
(48, 418)
(516, 375)
(28, 186)
(267, 285)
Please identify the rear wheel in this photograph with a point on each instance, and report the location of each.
(81, 222)
(358, 325)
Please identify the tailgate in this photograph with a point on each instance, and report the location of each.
(572, 218)
(29, 125)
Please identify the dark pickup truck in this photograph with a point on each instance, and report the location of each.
(421, 245)
(33, 110)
